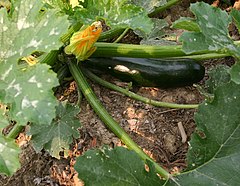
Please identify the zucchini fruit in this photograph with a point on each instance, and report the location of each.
(162, 73)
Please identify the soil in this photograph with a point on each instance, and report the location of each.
(154, 129)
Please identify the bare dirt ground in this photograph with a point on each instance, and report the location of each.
(155, 129)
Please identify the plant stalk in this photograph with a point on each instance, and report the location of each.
(147, 51)
(74, 28)
(107, 118)
(14, 132)
(111, 34)
(164, 7)
(136, 96)
(122, 35)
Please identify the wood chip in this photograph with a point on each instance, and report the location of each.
(182, 132)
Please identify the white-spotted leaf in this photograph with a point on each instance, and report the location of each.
(116, 13)
(28, 90)
(213, 31)
(9, 152)
(29, 93)
(29, 29)
(149, 5)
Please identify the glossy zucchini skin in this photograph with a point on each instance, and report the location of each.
(162, 73)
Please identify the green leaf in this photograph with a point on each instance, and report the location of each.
(3, 117)
(118, 166)
(155, 37)
(9, 152)
(57, 137)
(236, 16)
(218, 76)
(28, 30)
(213, 36)
(149, 5)
(186, 23)
(60, 5)
(116, 13)
(214, 154)
(28, 90)
(235, 72)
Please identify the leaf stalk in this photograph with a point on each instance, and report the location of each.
(107, 118)
(136, 96)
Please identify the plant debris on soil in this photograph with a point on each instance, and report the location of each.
(156, 130)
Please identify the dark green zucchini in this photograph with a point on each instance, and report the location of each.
(149, 72)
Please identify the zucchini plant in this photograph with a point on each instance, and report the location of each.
(27, 97)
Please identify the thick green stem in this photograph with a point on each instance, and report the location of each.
(107, 118)
(110, 34)
(136, 96)
(14, 132)
(122, 35)
(164, 7)
(147, 51)
(71, 30)
(202, 57)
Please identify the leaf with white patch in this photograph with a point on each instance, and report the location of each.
(57, 137)
(149, 5)
(9, 152)
(29, 29)
(116, 13)
(29, 92)
(213, 31)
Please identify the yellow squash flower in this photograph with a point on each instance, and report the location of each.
(81, 43)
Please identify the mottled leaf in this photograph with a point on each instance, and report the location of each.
(28, 29)
(28, 90)
(9, 152)
(218, 76)
(116, 13)
(59, 135)
(118, 166)
(214, 154)
(155, 37)
(186, 23)
(149, 5)
(213, 35)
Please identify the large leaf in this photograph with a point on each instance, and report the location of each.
(118, 166)
(149, 5)
(28, 90)
(9, 153)
(28, 29)
(59, 135)
(116, 13)
(213, 35)
(214, 154)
